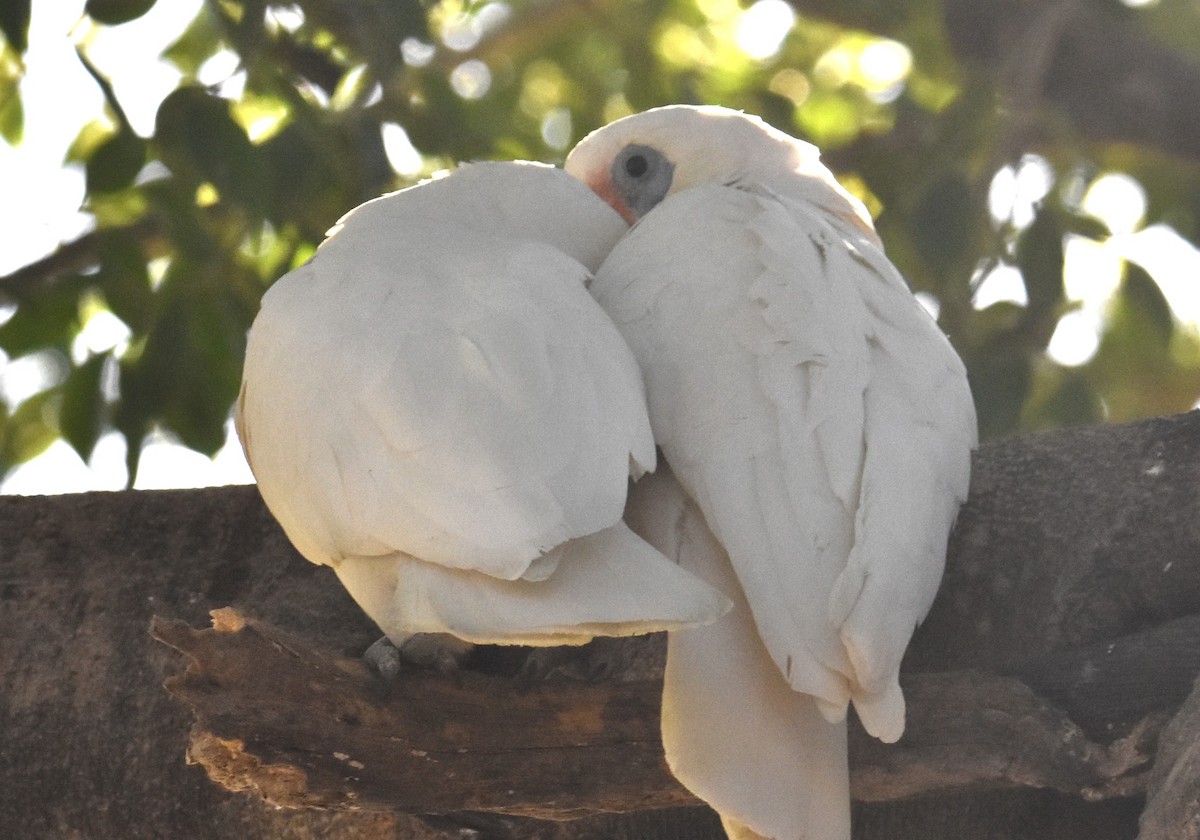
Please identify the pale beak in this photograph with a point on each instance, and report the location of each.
(603, 186)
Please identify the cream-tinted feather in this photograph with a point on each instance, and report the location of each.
(818, 419)
(610, 583)
(437, 387)
(751, 364)
(804, 399)
(735, 733)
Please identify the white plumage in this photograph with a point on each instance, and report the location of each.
(819, 420)
(435, 407)
(734, 731)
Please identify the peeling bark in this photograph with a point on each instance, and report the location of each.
(303, 728)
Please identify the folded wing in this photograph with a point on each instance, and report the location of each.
(437, 391)
(814, 412)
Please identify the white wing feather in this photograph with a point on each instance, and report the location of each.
(728, 714)
(436, 383)
(792, 382)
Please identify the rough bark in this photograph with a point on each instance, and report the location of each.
(1173, 806)
(1071, 540)
(307, 729)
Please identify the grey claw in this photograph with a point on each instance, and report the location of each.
(385, 658)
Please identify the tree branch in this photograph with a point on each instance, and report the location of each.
(1173, 809)
(1070, 542)
(79, 255)
(306, 729)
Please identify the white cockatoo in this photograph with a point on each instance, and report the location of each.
(820, 427)
(434, 406)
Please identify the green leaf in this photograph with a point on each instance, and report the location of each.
(12, 114)
(1087, 226)
(198, 43)
(113, 12)
(125, 281)
(307, 169)
(1001, 378)
(1142, 301)
(1040, 257)
(115, 162)
(81, 416)
(92, 135)
(830, 118)
(1072, 402)
(14, 23)
(134, 413)
(49, 320)
(31, 428)
(1145, 364)
(201, 141)
(187, 374)
(941, 222)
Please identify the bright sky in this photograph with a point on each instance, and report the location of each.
(39, 210)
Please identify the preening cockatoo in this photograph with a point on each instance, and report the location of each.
(820, 427)
(434, 406)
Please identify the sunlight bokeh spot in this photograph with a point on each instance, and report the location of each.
(260, 117)
(286, 18)
(719, 11)
(493, 16)
(791, 84)
(129, 55)
(1118, 200)
(1092, 271)
(103, 331)
(556, 129)
(1014, 192)
(31, 374)
(1001, 284)
(462, 32)
(218, 69)
(471, 79)
(1075, 339)
(763, 27)
(402, 155)
(416, 53)
(543, 87)
(883, 64)
(1174, 263)
(834, 68)
(1002, 194)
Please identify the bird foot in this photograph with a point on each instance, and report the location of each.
(440, 652)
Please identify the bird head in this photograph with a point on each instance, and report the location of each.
(636, 162)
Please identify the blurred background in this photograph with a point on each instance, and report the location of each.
(1033, 165)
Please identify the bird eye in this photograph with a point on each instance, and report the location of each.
(636, 166)
(642, 175)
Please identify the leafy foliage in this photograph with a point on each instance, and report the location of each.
(238, 181)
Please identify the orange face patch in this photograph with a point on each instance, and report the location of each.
(603, 186)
